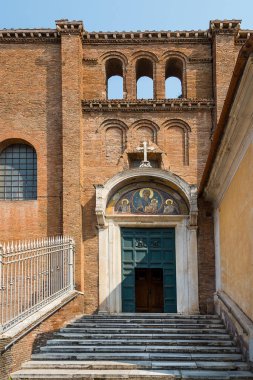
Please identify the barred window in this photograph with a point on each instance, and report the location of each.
(18, 172)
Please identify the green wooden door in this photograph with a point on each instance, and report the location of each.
(148, 248)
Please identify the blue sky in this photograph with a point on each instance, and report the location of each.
(110, 15)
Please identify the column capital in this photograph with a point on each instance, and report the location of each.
(65, 26)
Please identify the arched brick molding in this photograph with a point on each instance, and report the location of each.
(143, 54)
(114, 138)
(175, 129)
(144, 130)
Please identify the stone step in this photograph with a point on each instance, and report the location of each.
(149, 316)
(228, 366)
(137, 356)
(134, 346)
(129, 330)
(148, 326)
(134, 374)
(69, 335)
(148, 321)
(138, 349)
(127, 342)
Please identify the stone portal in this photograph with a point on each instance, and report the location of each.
(155, 208)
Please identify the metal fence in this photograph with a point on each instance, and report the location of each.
(33, 274)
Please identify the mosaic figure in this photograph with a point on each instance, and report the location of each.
(124, 206)
(145, 196)
(152, 208)
(169, 207)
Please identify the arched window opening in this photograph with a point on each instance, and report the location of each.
(174, 79)
(18, 172)
(114, 79)
(144, 79)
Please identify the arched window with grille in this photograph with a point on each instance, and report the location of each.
(18, 172)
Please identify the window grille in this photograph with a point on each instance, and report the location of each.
(18, 172)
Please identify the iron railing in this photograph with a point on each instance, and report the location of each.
(32, 275)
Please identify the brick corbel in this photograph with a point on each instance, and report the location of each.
(225, 26)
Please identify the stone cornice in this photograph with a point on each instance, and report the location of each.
(147, 105)
(29, 36)
(66, 27)
(199, 36)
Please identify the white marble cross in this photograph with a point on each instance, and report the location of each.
(145, 149)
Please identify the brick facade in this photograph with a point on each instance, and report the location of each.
(53, 96)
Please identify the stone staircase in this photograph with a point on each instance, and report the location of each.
(134, 346)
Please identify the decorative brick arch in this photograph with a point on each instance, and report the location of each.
(178, 123)
(117, 125)
(113, 54)
(14, 138)
(145, 123)
(144, 54)
(176, 54)
(108, 123)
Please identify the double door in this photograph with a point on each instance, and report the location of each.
(148, 270)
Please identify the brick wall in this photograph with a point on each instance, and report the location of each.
(30, 109)
(12, 359)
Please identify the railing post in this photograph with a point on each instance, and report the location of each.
(71, 263)
(1, 288)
